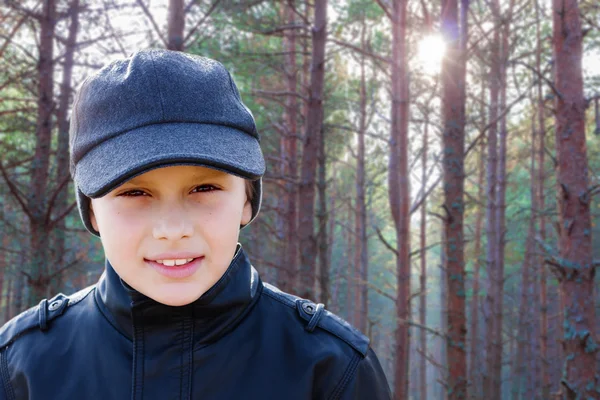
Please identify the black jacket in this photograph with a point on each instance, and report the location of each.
(243, 339)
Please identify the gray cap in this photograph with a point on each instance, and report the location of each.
(158, 108)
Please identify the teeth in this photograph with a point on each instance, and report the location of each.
(171, 263)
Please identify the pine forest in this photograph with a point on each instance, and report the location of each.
(433, 170)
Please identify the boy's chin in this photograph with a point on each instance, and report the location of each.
(175, 299)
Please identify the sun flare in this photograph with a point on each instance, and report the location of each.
(431, 51)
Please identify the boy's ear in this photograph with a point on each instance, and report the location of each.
(247, 212)
(93, 218)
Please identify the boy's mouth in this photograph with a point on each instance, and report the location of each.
(175, 262)
(174, 259)
(184, 270)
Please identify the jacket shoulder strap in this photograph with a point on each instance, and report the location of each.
(39, 316)
(317, 315)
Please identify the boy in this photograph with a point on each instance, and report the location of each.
(167, 168)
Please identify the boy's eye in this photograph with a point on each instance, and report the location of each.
(205, 188)
(138, 193)
(133, 193)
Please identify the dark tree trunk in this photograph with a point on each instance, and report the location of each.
(580, 380)
(398, 186)
(361, 261)
(334, 302)
(62, 170)
(443, 370)
(501, 207)
(541, 114)
(475, 350)
(39, 224)
(350, 251)
(314, 122)
(493, 343)
(520, 373)
(287, 275)
(176, 25)
(322, 217)
(453, 114)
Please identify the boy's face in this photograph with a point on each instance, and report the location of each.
(175, 212)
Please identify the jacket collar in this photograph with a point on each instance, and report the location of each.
(215, 313)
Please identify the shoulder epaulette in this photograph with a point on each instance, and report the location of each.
(317, 316)
(39, 316)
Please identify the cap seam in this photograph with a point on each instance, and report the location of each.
(162, 108)
(239, 100)
(75, 116)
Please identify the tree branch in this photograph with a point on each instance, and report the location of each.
(417, 204)
(359, 50)
(385, 8)
(152, 21)
(385, 242)
(195, 28)
(15, 191)
(61, 216)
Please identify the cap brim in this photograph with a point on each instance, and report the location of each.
(132, 153)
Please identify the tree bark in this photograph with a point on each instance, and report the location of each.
(314, 122)
(398, 187)
(501, 204)
(176, 25)
(322, 217)
(491, 380)
(62, 170)
(443, 369)
(453, 114)
(475, 356)
(520, 373)
(334, 302)
(361, 260)
(287, 275)
(575, 244)
(350, 250)
(544, 360)
(423, 277)
(38, 224)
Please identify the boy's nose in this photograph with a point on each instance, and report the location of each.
(173, 225)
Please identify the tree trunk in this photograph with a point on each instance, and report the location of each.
(350, 281)
(314, 122)
(491, 380)
(176, 25)
(544, 374)
(475, 356)
(361, 260)
(443, 370)
(287, 276)
(322, 217)
(4, 259)
(423, 277)
(453, 111)
(580, 380)
(7, 312)
(38, 224)
(501, 208)
(399, 190)
(520, 373)
(334, 302)
(62, 170)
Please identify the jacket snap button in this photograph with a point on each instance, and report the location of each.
(309, 308)
(55, 305)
